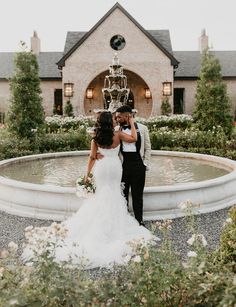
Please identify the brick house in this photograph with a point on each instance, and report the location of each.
(149, 63)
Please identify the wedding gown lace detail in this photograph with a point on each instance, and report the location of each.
(100, 231)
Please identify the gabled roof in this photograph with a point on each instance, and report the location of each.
(61, 63)
(161, 36)
(46, 60)
(190, 63)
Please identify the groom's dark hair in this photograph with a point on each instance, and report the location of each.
(124, 109)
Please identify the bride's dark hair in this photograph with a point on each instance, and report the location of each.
(104, 129)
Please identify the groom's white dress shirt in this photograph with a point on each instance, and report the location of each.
(145, 150)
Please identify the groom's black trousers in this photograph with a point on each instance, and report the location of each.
(133, 176)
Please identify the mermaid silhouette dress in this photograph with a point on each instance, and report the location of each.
(102, 229)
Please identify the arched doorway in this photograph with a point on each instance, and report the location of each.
(136, 97)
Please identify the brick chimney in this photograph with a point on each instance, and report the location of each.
(203, 41)
(35, 43)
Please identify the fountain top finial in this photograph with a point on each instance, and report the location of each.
(115, 60)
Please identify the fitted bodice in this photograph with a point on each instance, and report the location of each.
(109, 152)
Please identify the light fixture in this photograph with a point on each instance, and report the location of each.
(68, 89)
(89, 93)
(147, 93)
(167, 88)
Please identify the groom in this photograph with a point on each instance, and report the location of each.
(136, 158)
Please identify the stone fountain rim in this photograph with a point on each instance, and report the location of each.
(227, 163)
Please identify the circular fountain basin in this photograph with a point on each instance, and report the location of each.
(43, 186)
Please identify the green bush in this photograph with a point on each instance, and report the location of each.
(227, 249)
(182, 121)
(193, 137)
(212, 101)
(26, 116)
(165, 106)
(68, 141)
(68, 110)
(62, 124)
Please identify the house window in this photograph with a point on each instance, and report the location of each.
(117, 42)
(179, 107)
(57, 106)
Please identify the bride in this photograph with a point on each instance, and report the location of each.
(102, 230)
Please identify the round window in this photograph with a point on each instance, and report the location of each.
(117, 42)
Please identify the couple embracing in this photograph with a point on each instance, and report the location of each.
(102, 230)
(135, 157)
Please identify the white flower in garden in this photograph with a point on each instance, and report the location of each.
(229, 220)
(12, 246)
(234, 280)
(182, 205)
(201, 267)
(136, 259)
(146, 255)
(144, 300)
(13, 302)
(195, 237)
(191, 254)
(4, 254)
(1, 272)
(29, 228)
(127, 258)
(204, 241)
(191, 240)
(185, 265)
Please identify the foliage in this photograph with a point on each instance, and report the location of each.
(63, 124)
(227, 249)
(165, 106)
(26, 115)
(212, 102)
(192, 137)
(68, 110)
(154, 276)
(182, 121)
(67, 141)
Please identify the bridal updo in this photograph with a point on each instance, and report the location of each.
(104, 131)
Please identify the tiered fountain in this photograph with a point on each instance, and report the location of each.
(115, 86)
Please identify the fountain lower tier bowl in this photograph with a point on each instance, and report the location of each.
(43, 186)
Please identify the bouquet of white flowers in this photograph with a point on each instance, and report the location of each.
(84, 189)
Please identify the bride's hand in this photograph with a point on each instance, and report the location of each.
(85, 178)
(131, 119)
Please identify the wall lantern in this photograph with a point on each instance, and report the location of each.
(167, 88)
(147, 93)
(68, 89)
(89, 93)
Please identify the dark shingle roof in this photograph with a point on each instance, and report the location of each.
(46, 60)
(71, 39)
(190, 63)
(189, 66)
(47, 64)
(161, 36)
(6, 64)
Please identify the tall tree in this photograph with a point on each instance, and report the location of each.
(212, 102)
(26, 115)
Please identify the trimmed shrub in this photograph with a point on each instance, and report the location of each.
(26, 115)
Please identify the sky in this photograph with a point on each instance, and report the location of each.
(185, 20)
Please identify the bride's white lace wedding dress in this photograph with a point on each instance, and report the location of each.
(100, 231)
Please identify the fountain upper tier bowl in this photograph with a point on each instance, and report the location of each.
(43, 186)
